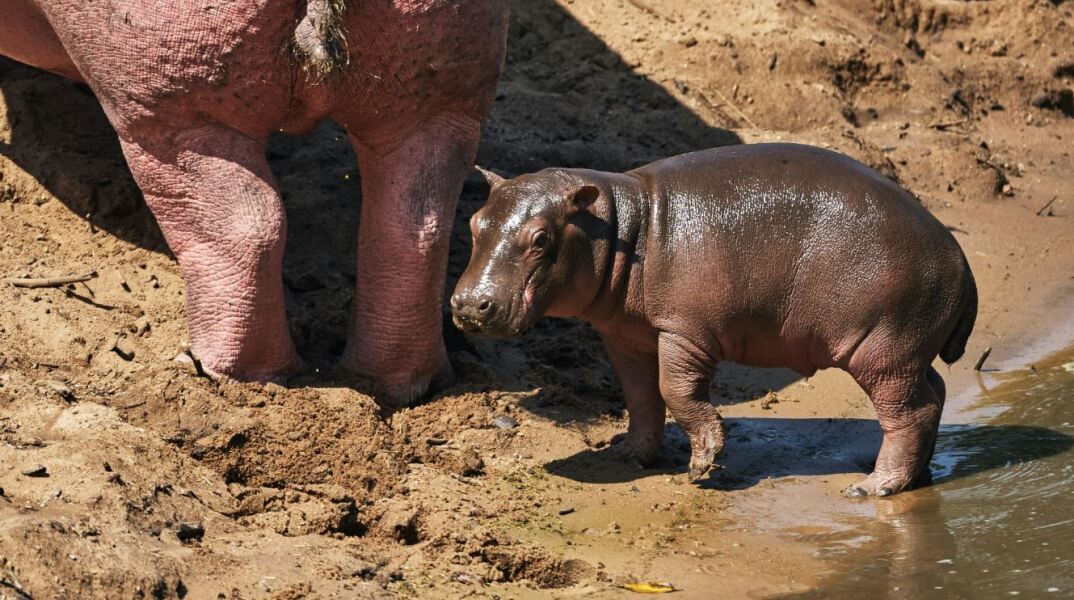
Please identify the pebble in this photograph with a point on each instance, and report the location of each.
(189, 531)
(35, 471)
(307, 282)
(61, 389)
(504, 422)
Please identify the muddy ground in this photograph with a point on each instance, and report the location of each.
(123, 475)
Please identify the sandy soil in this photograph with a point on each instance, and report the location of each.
(160, 483)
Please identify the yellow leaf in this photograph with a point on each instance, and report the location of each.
(650, 588)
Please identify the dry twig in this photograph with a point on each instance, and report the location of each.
(644, 7)
(42, 282)
(1045, 207)
(737, 109)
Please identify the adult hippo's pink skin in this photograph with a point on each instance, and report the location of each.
(195, 87)
(774, 255)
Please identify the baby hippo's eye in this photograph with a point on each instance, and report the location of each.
(540, 240)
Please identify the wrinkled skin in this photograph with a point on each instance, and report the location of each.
(772, 255)
(194, 89)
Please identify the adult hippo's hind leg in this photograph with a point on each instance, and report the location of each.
(909, 409)
(214, 197)
(409, 191)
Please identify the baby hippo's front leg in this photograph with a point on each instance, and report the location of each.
(685, 375)
(639, 375)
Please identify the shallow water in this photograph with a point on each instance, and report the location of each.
(999, 521)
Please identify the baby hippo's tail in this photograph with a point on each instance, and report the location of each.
(956, 344)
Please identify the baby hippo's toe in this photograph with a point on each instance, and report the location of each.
(706, 443)
(644, 451)
(879, 484)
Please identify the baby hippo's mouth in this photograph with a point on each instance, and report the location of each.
(475, 312)
(498, 326)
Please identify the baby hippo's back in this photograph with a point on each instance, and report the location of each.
(790, 255)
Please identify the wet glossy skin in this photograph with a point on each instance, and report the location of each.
(766, 255)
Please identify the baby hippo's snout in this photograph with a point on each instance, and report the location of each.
(472, 309)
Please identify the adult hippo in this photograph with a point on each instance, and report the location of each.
(195, 87)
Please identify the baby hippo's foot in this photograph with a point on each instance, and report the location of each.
(876, 484)
(706, 443)
(885, 483)
(645, 450)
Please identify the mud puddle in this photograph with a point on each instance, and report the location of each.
(999, 521)
(996, 523)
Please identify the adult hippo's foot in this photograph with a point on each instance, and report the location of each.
(216, 201)
(410, 188)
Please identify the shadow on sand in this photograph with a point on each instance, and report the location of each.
(565, 99)
(758, 449)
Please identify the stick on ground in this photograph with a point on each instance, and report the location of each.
(984, 357)
(652, 11)
(48, 281)
(1045, 207)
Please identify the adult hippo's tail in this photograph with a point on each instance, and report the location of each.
(955, 345)
(320, 41)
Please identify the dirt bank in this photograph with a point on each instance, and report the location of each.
(160, 483)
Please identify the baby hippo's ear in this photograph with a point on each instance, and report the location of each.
(583, 197)
(492, 178)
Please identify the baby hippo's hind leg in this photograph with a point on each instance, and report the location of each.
(909, 409)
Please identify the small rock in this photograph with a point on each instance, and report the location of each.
(470, 463)
(772, 61)
(504, 422)
(998, 48)
(189, 531)
(689, 41)
(141, 326)
(35, 471)
(566, 511)
(61, 389)
(435, 441)
(307, 282)
(122, 346)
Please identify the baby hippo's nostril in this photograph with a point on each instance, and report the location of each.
(471, 310)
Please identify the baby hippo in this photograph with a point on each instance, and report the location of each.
(772, 255)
